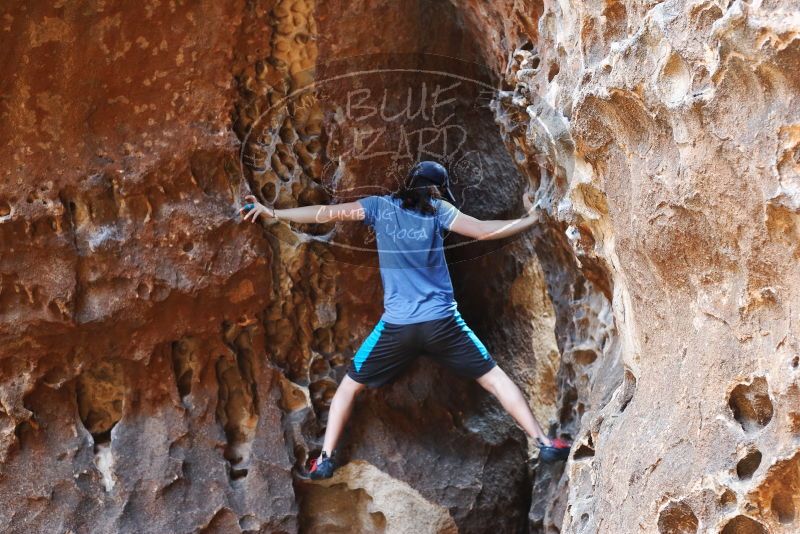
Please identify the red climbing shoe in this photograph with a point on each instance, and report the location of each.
(558, 452)
(321, 467)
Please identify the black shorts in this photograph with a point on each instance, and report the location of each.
(390, 348)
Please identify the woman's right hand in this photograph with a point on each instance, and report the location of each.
(255, 208)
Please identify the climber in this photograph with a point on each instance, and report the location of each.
(420, 312)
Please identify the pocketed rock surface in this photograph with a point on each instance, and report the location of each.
(165, 367)
(664, 135)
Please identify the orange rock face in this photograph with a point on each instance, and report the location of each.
(172, 367)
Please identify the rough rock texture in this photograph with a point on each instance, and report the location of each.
(665, 135)
(384, 504)
(171, 368)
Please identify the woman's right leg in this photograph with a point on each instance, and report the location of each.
(454, 344)
(506, 391)
(339, 413)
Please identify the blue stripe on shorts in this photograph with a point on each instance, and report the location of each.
(369, 344)
(460, 322)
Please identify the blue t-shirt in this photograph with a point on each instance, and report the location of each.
(416, 281)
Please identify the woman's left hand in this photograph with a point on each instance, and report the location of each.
(255, 208)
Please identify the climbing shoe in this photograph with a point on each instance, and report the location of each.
(559, 451)
(321, 467)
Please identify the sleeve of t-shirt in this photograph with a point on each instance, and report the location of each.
(446, 214)
(370, 205)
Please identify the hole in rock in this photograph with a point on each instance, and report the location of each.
(780, 489)
(727, 498)
(54, 309)
(237, 474)
(100, 391)
(796, 362)
(77, 213)
(319, 369)
(748, 465)
(5, 208)
(677, 518)
(143, 290)
(568, 399)
(741, 524)
(782, 506)
(183, 357)
(236, 408)
(314, 146)
(527, 45)
(507, 85)
(585, 357)
(22, 431)
(188, 246)
(583, 452)
(322, 392)
(751, 405)
(675, 78)
(615, 19)
(628, 389)
(287, 133)
(554, 68)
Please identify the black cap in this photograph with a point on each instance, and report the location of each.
(435, 174)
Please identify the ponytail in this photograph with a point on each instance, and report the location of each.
(418, 197)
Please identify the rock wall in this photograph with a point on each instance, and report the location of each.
(172, 367)
(663, 135)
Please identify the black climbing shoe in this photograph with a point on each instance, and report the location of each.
(321, 467)
(557, 453)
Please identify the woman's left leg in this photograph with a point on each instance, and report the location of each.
(382, 357)
(339, 413)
